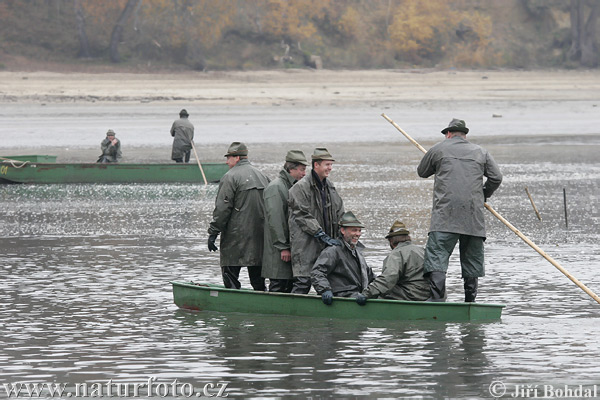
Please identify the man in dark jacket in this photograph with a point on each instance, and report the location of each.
(342, 271)
(315, 209)
(239, 216)
(459, 194)
(277, 256)
(111, 149)
(402, 274)
(182, 131)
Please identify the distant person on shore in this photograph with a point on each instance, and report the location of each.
(342, 271)
(459, 194)
(182, 131)
(111, 149)
(402, 274)
(239, 217)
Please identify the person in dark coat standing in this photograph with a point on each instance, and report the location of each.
(111, 149)
(182, 131)
(342, 271)
(402, 274)
(277, 256)
(459, 193)
(239, 217)
(315, 208)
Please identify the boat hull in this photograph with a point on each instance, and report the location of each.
(207, 297)
(110, 173)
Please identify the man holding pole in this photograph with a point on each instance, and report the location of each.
(459, 194)
(182, 131)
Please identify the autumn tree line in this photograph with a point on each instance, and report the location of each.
(258, 34)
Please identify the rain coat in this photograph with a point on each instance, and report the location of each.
(458, 190)
(239, 215)
(306, 219)
(109, 151)
(183, 133)
(342, 270)
(402, 275)
(277, 233)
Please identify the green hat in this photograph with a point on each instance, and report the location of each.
(110, 133)
(237, 149)
(183, 113)
(349, 220)
(296, 156)
(397, 229)
(321, 153)
(456, 125)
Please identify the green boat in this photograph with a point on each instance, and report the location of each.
(208, 297)
(35, 172)
(31, 158)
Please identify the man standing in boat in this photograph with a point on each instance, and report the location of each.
(315, 208)
(402, 274)
(111, 148)
(239, 216)
(342, 271)
(459, 194)
(277, 255)
(182, 131)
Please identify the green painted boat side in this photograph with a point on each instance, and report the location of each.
(31, 158)
(110, 173)
(208, 297)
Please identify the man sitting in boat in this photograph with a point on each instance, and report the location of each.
(402, 275)
(111, 148)
(342, 271)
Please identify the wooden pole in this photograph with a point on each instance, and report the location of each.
(565, 202)
(515, 230)
(533, 204)
(199, 165)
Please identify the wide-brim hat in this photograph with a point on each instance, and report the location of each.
(296, 156)
(456, 125)
(397, 229)
(110, 133)
(184, 113)
(349, 220)
(322, 154)
(237, 149)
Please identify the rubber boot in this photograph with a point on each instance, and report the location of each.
(437, 285)
(470, 289)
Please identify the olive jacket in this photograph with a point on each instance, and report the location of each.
(306, 219)
(183, 132)
(277, 233)
(402, 275)
(239, 215)
(111, 152)
(342, 270)
(458, 190)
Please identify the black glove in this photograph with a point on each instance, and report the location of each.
(361, 299)
(322, 236)
(327, 297)
(211, 242)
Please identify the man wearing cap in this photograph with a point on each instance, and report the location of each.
(239, 217)
(459, 193)
(277, 256)
(182, 131)
(402, 274)
(342, 271)
(315, 208)
(111, 149)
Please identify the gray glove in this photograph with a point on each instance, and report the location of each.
(325, 238)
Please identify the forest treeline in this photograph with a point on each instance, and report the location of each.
(259, 34)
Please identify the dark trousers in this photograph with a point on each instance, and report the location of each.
(281, 285)
(231, 277)
(186, 157)
(302, 285)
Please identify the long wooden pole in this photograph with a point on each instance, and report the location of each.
(199, 164)
(533, 204)
(512, 228)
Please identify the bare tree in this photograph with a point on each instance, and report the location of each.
(84, 46)
(583, 32)
(117, 33)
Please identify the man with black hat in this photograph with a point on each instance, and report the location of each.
(239, 216)
(315, 208)
(277, 256)
(111, 149)
(182, 131)
(342, 271)
(459, 194)
(402, 274)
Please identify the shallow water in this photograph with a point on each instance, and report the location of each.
(85, 294)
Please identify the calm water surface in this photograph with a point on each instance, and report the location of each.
(85, 294)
